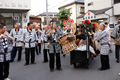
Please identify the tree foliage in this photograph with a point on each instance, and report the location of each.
(63, 14)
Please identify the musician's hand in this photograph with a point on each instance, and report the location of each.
(36, 43)
(2, 36)
(94, 54)
(23, 44)
(115, 42)
(50, 32)
(42, 40)
(48, 44)
(39, 31)
(8, 36)
(92, 32)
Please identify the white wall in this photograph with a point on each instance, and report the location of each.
(15, 4)
(75, 11)
(98, 4)
(23, 5)
(73, 15)
(116, 9)
(78, 12)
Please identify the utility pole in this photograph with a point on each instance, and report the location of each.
(47, 21)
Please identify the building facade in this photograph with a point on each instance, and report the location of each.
(101, 11)
(51, 16)
(35, 20)
(76, 9)
(12, 11)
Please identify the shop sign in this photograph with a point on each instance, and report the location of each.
(68, 22)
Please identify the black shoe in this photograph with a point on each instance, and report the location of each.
(37, 54)
(59, 69)
(45, 61)
(100, 69)
(26, 64)
(51, 70)
(117, 61)
(11, 61)
(34, 63)
(107, 68)
(18, 60)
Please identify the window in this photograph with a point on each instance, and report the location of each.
(91, 17)
(70, 10)
(94, 16)
(88, 17)
(116, 1)
(81, 10)
(10, 19)
(90, 4)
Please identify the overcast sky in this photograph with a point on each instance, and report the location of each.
(39, 6)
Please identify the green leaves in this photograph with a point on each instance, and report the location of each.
(63, 14)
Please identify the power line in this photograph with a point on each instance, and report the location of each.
(57, 4)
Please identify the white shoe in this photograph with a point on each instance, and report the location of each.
(7, 79)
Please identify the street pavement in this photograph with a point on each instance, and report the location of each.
(40, 71)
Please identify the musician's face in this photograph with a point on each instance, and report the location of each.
(37, 27)
(16, 25)
(54, 25)
(64, 28)
(3, 29)
(58, 27)
(80, 28)
(45, 28)
(68, 27)
(31, 26)
(101, 27)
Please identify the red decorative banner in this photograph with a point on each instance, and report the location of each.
(68, 22)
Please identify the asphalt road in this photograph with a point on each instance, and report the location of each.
(40, 71)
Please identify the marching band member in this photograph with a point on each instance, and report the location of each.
(54, 47)
(68, 30)
(64, 29)
(116, 36)
(39, 44)
(108, 29)
(44, 41)
(38, 32)
(103, 37)
(4, 53)
(61, 31)
(31, 40)
(17, 34)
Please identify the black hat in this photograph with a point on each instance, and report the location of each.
(52, 21)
